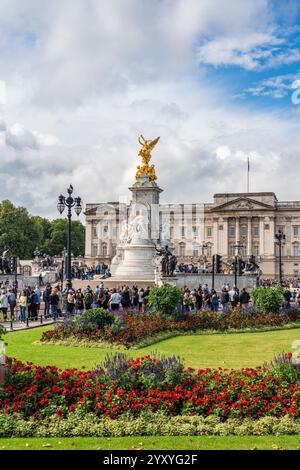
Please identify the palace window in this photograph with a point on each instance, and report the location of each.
(114, 250)
(94, 250)
(209, 231)
(95, 232)
(296, 231)
(182, 231)
(182, 249)
(296, 251)
(195, 252)
(104, 249)
(232, 231)
(244, 230)
(209, 250)
(256, 231)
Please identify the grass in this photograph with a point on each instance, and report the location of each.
(199, 351)
(154, 443)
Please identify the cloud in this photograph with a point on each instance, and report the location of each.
(276, 87)
(255, 51)
(85, 79)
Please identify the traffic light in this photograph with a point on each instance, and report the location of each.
(218, 263)
(13, 264)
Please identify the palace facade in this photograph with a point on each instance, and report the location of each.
(198, 231)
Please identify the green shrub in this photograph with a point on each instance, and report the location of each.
(268, 299)
(165, 299)
(148, 424)
(95, 317)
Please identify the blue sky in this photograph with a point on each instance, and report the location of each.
(80, 81)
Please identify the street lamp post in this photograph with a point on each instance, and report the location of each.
(280, 237)
(63, 262)
(69, 202)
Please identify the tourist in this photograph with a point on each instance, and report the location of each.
(12, 301)
(125, 295)
(225, 299)
(115, 300)
(214, 302)
(33, 302)
(298, 299)
(79, 301)
(70, 302)
(54, 301)
(186, 301)
(88, 298)
(46, 299)
(207, 300)
(234, 297)
(199, 299)
(244, 299)
(38, 295)
(23, 303)
(287, 298)
(141, 293)
(4, 304)
(145, 299)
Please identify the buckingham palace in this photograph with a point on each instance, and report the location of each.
(198, 231)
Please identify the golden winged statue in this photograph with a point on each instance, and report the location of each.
(145, 153)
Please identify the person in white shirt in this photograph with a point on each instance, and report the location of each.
(115, 300)
(4, 304)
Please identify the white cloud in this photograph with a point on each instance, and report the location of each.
(255, 51)
(85, 79)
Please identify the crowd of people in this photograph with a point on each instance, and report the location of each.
(52, 302)
(189, 268)
(86, 273)
(27, 304)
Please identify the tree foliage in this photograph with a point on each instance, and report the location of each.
(22, 233)
(164, 299)
(57, 241)
(268, 299)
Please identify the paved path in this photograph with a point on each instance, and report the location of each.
(18, 326)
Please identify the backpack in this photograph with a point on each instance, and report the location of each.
(88, 298)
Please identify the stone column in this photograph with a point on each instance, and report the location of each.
(224, 246)
(109, 248)
(99, 251)
(215, 235)
(249, 245)
(88, 239)
(261, 237)
(271, 244)
(237, 229)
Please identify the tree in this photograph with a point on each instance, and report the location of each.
(18, 230)
(22, 233)
(164, 299)
(57, 241)
(44, 227)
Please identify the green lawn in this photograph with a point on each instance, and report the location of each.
(212, 350)
(154, 443)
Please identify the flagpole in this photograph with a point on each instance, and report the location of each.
(248, 173)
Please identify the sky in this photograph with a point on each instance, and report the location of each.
(217, 80)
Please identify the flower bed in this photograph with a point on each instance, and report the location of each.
(123, 386)
(130, 328)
